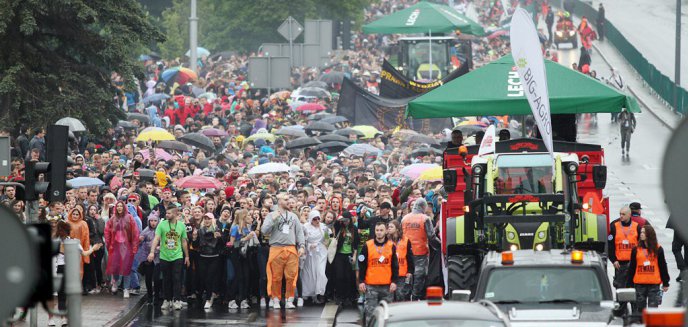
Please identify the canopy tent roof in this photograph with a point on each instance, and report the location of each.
(424, 17)
(495, 89)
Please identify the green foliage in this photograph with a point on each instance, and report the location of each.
(57, 56)
(245, 25)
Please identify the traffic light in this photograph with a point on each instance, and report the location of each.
(53, 181)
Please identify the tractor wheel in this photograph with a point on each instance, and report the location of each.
(463, 272)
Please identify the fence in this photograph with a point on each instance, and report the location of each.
(660, 83)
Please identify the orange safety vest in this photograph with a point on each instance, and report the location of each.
(625, 240)
(647, 268)
(379, 263)
(413, 226)
(402, 247)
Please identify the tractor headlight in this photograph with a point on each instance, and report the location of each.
(539, 247)
(541, 235)
(560, 33)
(571, 168)
(510, 236)
(572, 33)
(477, 170)
(513, 247)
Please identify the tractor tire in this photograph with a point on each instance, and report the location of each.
(462, 272)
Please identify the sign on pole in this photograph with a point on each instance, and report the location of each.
(290, 29)
(269, 72)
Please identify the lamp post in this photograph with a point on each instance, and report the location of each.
(193, 37)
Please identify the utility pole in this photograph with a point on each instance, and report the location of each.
(193, 37)
(677, 64)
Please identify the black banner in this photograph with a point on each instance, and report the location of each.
(394, 85)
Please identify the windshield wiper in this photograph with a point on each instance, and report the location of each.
(507, 302)
(559, 301)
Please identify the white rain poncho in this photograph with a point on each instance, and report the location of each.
(313, 279)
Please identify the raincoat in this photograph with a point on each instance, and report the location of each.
(152, 112)
(313, 278)
(122, 239)
(79, 231)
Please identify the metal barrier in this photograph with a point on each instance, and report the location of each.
(660, 84)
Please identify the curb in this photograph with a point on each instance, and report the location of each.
(128, 314)
(636, 95)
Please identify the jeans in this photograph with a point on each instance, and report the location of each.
(646, 296)
(135, 275)
(172, 279)
(626, 139)
(420, 274)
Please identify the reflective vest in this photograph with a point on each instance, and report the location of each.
(379, 271)
(413, 226)
(647, 268)
(402, 250)
(625, 240)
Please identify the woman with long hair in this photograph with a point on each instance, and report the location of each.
(122, 239)
(405, 259)
(648, 270)
(240, 234)
(150, 270)
(96, 228)
(343, 263)
(208, 243)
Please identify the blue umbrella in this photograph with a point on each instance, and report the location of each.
(201, 52)
(84, 182)
(157, 97)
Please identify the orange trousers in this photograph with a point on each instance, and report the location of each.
(283, 262)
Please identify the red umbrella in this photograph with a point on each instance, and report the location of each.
(311, 107)
(210, 132)
(198, 182)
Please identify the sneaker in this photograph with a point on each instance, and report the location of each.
(289, 304)
(276, 304)
(208, 304)
(177, 305)
(232, 305)
(64, 321)
(51, 321)
(166, 305)
(299, 302)
(184, 304)
(262, 303)
(134, 291)
(244, 304)
(126, 293)
(113, 288)
(94, 291)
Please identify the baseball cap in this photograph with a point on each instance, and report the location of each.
(635, 206)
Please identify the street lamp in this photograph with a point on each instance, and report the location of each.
(193, 37)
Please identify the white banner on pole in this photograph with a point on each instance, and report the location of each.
(488, 143)
(527, 53)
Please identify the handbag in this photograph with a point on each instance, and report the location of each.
(246, 246)
(332, 249)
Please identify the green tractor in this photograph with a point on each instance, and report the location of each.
(515, 201)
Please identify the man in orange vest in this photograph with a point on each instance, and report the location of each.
(418, 229)
(378, 268)
(623, 237)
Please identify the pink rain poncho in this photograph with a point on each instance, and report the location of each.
(122, 239)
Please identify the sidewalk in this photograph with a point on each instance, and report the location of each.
(100, 310)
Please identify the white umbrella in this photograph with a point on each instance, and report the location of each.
(74, 124)
(269, 168)
(84, 182)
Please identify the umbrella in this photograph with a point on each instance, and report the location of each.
(179, 75)
(157, 97)
(334, 119)
(311, 107)
(332, 77)
(422, 18)
(368, 131)
(198, 182)
(404, 133)
(74, 124)
(173, 145)
(432, 174)
(144, 57)
(154, 134)
(159, 154)
(468, 130)
(331, 147)
(200, 52)
(420, 138)
(320, 126)
(425, 151)
(314, 92)
(291, 131)
(223, 54)
(293, 104)
(211, 132)
(269, 168)
(146, 173)
(319, 84)
(126, 124)
(84, 182)
(414, 170)
(334, 137)
(154, 55)
(138, 116)
(361, 149)
(320, 115)
(349, 131)
(302, 142)
(208, 95)
(264, 136)
(198, 140)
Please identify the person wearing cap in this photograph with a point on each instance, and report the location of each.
(385, 216)
(174, 252)
(636, 212)
(417, 226)
(286, 246)
(313, 278)
(378, 270)
(208, 242)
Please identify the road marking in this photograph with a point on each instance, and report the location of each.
(328, 315)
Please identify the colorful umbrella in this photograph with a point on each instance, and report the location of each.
(159, 154)
(264, 136)
(368, 131)
(432, 174)
(198, 182)
(310, 107)
(413, 171)
(155, 134)
(211, 132)
(180, 75)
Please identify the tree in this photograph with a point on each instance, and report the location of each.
(57, 57)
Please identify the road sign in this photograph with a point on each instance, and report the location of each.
(290, 29)
(5, 157)
(269, 72)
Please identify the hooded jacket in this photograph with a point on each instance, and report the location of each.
(79, 230)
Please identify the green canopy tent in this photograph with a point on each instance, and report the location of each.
(424, 17)
(495, 89)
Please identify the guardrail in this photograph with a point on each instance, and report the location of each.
(662, 85)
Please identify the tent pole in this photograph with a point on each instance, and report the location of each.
(430, 53)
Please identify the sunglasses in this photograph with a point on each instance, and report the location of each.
(130, 201)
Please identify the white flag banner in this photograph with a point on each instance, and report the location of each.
(488, 143)
(527, 53)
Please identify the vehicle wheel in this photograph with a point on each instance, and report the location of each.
(462, 272)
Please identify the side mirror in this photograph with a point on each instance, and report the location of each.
(465, 295)
(599, 176)
(625, 295)
(449, 180)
